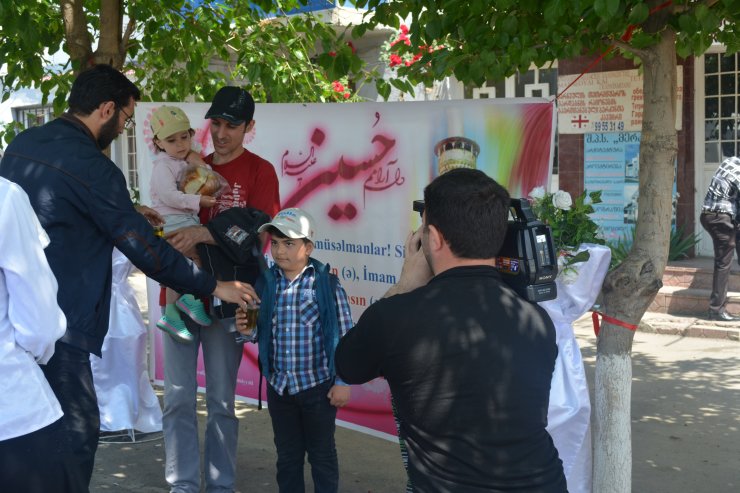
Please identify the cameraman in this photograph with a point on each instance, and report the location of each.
(468, 361)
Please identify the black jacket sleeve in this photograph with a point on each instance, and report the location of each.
(113, 212)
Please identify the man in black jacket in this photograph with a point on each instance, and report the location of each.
(468, 361)
(81, 200)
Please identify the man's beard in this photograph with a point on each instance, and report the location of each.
(108, 132)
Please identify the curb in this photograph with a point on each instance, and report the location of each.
(680, 326)
(690, 327)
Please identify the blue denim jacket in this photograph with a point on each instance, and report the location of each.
(82, 201)
(325, 287)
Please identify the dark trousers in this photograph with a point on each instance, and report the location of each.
(39, 462)
(70, 377)
(304, 424)
(722, 230)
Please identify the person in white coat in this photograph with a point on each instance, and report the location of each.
(34, 457)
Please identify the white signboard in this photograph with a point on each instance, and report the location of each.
(606, 102)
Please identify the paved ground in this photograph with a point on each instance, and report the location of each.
(685, 410)
(685, 415)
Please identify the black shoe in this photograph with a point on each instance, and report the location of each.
(722, 316)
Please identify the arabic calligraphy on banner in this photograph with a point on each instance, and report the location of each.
(357, 168)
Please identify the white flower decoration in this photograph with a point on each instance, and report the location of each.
(562, 200)
(561, 261)
(537, 193)
(569, 275)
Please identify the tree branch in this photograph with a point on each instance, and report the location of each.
(126, 38)
(109, 42)
(75, 33)
(629, 48)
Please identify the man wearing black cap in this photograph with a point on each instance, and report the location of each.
(254, 184)
(253, 180)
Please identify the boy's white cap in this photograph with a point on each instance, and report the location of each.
(293, 223)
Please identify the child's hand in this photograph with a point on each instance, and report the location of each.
(194, 158)
(154, 217)
(339, 395)
(246, 323)
(207, 201)
(240, 319)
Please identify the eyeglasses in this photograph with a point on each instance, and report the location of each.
(129, 123)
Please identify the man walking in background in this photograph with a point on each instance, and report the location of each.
(718, 217)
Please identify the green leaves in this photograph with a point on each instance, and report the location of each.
(606, 8)
(383, 87)
(678, 246)
(639, 13)
(509, 25)
(571, 224)
(180, 50)
(433, 28)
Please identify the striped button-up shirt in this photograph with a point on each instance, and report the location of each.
(724, 189)
(299, 360)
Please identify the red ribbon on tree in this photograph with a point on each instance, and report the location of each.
(611, 320)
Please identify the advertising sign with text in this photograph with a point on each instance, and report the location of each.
(605, 102)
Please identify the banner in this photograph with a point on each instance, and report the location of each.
(357, 168)
(611, 163)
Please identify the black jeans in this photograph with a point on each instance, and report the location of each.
(70, 376)
(39, 462)
(722, 230)
(304, 424)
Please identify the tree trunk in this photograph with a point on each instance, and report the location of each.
(110, 48)
(111, 45)
(78, 39)
(628, 290)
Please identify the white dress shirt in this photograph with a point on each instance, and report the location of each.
(30, 318)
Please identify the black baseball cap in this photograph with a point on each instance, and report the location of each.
(233, 104)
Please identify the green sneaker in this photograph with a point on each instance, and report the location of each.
(193, 308)
(175, 328)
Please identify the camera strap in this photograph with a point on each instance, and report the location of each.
(608, 319)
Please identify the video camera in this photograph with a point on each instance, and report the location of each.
(527, 260)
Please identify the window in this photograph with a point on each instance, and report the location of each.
(721, 111)
(132, 172)
(536, 83)
(32, 116)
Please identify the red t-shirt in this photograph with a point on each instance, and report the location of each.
(253, 183)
